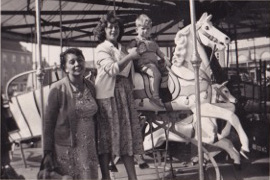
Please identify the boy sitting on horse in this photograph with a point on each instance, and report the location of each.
(149, 51)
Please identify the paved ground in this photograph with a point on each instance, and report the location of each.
(257, 168)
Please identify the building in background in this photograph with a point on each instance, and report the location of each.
(15, 59)
(252, 55)
(252, 58)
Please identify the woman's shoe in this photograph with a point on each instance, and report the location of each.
(113, 168)
(143, 165)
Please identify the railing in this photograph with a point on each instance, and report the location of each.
(29, 80)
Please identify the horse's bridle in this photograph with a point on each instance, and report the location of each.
(209, 36)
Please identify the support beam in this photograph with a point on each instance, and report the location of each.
(40, 70)
(92, 12)
(54, 23)
(165, 28)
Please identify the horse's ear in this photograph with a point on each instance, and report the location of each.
(225, 83)
(209, 17)
(204, 15)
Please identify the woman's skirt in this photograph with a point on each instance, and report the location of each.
(119, 130)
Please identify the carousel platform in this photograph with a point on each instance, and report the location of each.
(180, 168)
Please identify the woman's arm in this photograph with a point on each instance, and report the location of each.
(50, 118)
(132, 55)
(106, 62)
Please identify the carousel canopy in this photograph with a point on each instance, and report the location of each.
(72, 21)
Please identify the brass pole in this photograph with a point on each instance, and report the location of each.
(196, 61)
(40, 70)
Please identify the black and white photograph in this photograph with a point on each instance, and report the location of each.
(135, 89)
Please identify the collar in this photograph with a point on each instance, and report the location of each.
(108, 43)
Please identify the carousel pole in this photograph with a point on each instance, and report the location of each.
(60, 24)
(196, 61)
(40, 69)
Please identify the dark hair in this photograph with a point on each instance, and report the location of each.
(99, 30)
(74, 51)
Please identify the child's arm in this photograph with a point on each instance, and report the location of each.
(162, 56)
(132, 44)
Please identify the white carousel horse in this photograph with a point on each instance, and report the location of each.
(220, 93)
(181, 81)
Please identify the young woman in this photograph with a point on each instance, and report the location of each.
(119, 132)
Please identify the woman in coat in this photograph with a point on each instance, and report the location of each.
(69, 127)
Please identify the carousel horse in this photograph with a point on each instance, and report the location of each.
(181, 79)
(220, 93)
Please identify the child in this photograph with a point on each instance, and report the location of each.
(149, 50)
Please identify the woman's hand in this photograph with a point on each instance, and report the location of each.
(48, 161)
(133, 54)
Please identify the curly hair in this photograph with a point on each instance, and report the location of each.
(99, 30)
(143, 20)
(74, 51)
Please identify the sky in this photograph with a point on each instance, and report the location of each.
(51, 53)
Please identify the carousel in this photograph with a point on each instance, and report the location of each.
(212, 122)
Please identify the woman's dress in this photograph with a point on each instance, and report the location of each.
(81, 161)
(119, 130)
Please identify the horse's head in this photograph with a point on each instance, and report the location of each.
(222, 93)
(208, 35)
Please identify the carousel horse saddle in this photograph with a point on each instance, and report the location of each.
(144, 89)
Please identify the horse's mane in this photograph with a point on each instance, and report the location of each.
(181, 42)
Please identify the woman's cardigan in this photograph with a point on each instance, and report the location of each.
(60, 115)
(107, 68)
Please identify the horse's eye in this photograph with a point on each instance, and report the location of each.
(207, 28)
(226, 91)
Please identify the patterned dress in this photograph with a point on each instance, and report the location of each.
(119, 130)
(81, 161)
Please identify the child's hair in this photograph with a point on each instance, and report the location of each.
(143, 20)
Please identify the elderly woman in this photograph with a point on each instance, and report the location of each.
(119, 132)
(69, 128)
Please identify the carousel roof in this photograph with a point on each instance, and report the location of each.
(77, 18)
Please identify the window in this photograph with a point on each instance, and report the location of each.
(4, 57)
(4, 74)
(14, 58)
(22, 59)
(28, 60)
